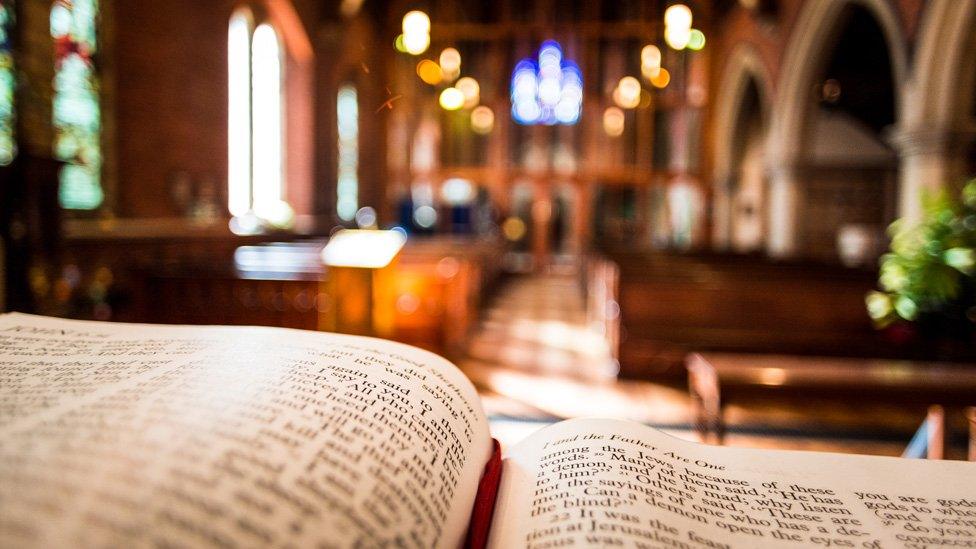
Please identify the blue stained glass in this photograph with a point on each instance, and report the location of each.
(547, 90)
(76, 110)
(8, 142)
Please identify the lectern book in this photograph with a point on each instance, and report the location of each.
(124, 435)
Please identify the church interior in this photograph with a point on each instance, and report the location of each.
(746, 222)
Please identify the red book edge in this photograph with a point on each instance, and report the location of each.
(484, 501)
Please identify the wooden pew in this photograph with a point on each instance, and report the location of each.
(672, 304)
(716, 380)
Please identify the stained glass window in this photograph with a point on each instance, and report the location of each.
(77, 116)
(548, 91)
(255, 124)
(8, 144)
(347, 186)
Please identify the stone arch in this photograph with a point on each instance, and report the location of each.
(942, 90)
(939, 121)
(806, 57)
(744, 66)
(743, 70)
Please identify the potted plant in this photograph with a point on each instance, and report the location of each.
(928, 288)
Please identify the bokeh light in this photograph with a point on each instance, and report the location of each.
(830, 91)
(650, 57)
(416, 22)
(613, 121)
(416, 44)
(645, 100)
(661, 79)
(450, 62)
(398, 44)
(425, 216)
(451, 99)
(677, 37)
(471, 90)
(366, 218)
(482, 120)
(416, 32)
(696, 40)
(627, 94)
(429, 72)
(514, 229)
(547, 90)
(458, 191)
(678, 16)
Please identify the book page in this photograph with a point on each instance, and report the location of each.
(138, 435)
(608, 483)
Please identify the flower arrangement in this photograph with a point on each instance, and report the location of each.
(928, 276)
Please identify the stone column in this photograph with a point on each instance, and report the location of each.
(784, 204)
(722, 214)
(931, 159)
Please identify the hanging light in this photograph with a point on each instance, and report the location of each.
(696, 40)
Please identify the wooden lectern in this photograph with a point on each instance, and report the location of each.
(359, 282)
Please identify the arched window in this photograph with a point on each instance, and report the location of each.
(8, 142)
(76, 112)
(255, 113)
(347, 178)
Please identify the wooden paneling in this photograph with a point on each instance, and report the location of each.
(431, 296)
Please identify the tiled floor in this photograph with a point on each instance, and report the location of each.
(536, 361)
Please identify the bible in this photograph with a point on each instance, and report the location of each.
(126, 435)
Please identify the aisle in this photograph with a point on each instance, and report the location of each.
(535, 361)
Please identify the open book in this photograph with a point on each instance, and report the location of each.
(138, 435)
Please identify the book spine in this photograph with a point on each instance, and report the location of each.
(484, 503)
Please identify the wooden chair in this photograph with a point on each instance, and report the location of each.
(929, 440)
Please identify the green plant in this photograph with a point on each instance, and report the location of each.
(928, 276)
